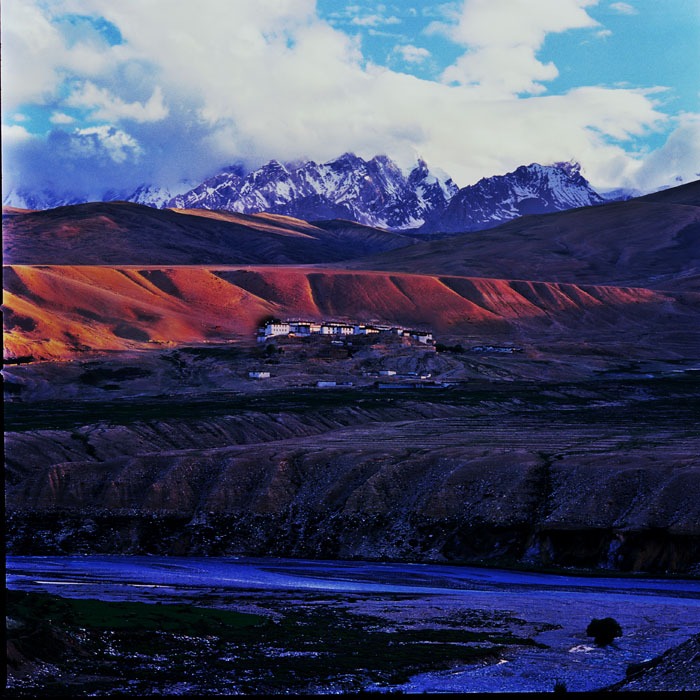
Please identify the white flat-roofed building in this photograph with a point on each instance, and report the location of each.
(259, 374)
(336, 329)
(281, 328)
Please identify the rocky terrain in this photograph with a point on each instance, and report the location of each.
(594, 473)
(677, 668)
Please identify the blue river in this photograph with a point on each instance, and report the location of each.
(655, 614)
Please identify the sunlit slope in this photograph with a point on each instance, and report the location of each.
(59, 311)
(652, 241)
(122, 233)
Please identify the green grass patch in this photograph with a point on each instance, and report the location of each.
(105, 615)
(156, 645)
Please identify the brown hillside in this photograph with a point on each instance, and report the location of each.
(653, 241)
(56, 311)
(122, 233)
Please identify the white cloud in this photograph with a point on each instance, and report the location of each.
(624, 8)
(503, 37)
(19, 117)
(447, 10)
(36, 55)
(604, 33)
(13, 134)
(374, 20)
(61, 118)
(96, 141)
(107, 107)
(677, 161)
(412, 54)
(378, 32)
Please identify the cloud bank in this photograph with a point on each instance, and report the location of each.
(158, 91)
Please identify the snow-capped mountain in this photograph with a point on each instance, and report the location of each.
(43, 199)
(620, 194)
(213, 193)
(157, 196)
(373, 192)
(530, 189)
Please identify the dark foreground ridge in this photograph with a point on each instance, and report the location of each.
(677, 668)
(597, 474)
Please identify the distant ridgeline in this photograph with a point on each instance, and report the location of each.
(372, 192)
(276, 328)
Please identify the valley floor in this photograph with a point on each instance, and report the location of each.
(270, 625)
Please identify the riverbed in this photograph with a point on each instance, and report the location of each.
(553, 610)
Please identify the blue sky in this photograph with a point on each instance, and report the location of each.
(106, 95)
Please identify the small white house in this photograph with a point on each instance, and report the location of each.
(276, 329)
(259, 374)
(387, 372)
(336, 329)
(325, 383)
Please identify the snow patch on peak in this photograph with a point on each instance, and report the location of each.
(571, 167)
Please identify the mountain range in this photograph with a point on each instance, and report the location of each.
(373, 192)
(530, 189)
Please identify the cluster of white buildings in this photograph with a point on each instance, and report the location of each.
(273, 329)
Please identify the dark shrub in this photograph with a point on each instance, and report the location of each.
(604, 631)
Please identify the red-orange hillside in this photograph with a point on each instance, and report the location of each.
(60, 311)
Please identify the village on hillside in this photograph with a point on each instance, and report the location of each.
(274, 328)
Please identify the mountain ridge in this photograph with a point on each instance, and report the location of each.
(373, 192)
(529, 189)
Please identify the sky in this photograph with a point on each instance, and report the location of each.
(103, 96)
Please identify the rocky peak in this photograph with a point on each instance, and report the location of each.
(571, 167)
(529, 189)
(347, 161)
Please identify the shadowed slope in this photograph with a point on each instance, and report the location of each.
(59, 311)
(651, 241)
(121, 233)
